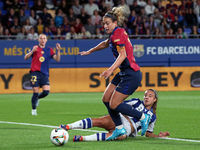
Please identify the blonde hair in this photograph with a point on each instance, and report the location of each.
(116, 14)
(43, 34)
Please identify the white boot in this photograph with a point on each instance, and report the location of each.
(34, 112)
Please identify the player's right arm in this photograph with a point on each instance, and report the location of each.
(161, 134)
(29, 54)
(100, 46)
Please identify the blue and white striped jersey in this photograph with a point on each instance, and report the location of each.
(139, 105)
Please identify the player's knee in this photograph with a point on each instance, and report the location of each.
(101, 123)
(45, 92)
(35, 89)
(113, 105)
(105, 99)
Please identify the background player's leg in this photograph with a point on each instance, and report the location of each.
(34, 100)
(45, 92)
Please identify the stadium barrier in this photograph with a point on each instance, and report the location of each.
(88, 80)
(171, 52)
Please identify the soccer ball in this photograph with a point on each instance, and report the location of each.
(59, 136)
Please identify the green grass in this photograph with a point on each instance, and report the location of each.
(177, 112)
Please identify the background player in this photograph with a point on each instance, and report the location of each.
(41, 56)
(129, 77)
(132, 125)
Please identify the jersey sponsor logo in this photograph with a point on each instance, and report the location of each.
(116, 40)
(41, 59)
(138, 50)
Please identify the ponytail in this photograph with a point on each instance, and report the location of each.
(117, 14)
(154, 106)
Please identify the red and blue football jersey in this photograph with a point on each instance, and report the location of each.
(119, 40)
(41, 59)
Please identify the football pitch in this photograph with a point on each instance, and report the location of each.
(177, 112)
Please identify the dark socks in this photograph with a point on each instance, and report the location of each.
(34, 100)
(43, 94)
(114, 115)
(128, 110)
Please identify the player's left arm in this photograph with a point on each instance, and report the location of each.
(56, 57)
(116, 64)
(161, 134)
(121, 57)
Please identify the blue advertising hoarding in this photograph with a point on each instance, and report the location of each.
(168, 52)
(174, 52)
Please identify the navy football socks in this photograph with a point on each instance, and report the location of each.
(114, 115)
(128, 110)
(43, 94)
(34, 100)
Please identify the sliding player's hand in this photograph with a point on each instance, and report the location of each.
(163, 134)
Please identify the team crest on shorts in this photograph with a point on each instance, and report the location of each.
(41, 59)
(33, 83)
(138, 50)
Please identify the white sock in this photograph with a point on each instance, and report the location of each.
(95, 137)
(81, 124)
(143, 116)
(119, 127)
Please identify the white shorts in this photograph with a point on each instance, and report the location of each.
(127, 126)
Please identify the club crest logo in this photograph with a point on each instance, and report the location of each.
(138, 50)
(41, 59)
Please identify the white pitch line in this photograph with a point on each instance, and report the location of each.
(176, 139)
(49, 126)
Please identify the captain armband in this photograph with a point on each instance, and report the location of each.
(120, 48)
